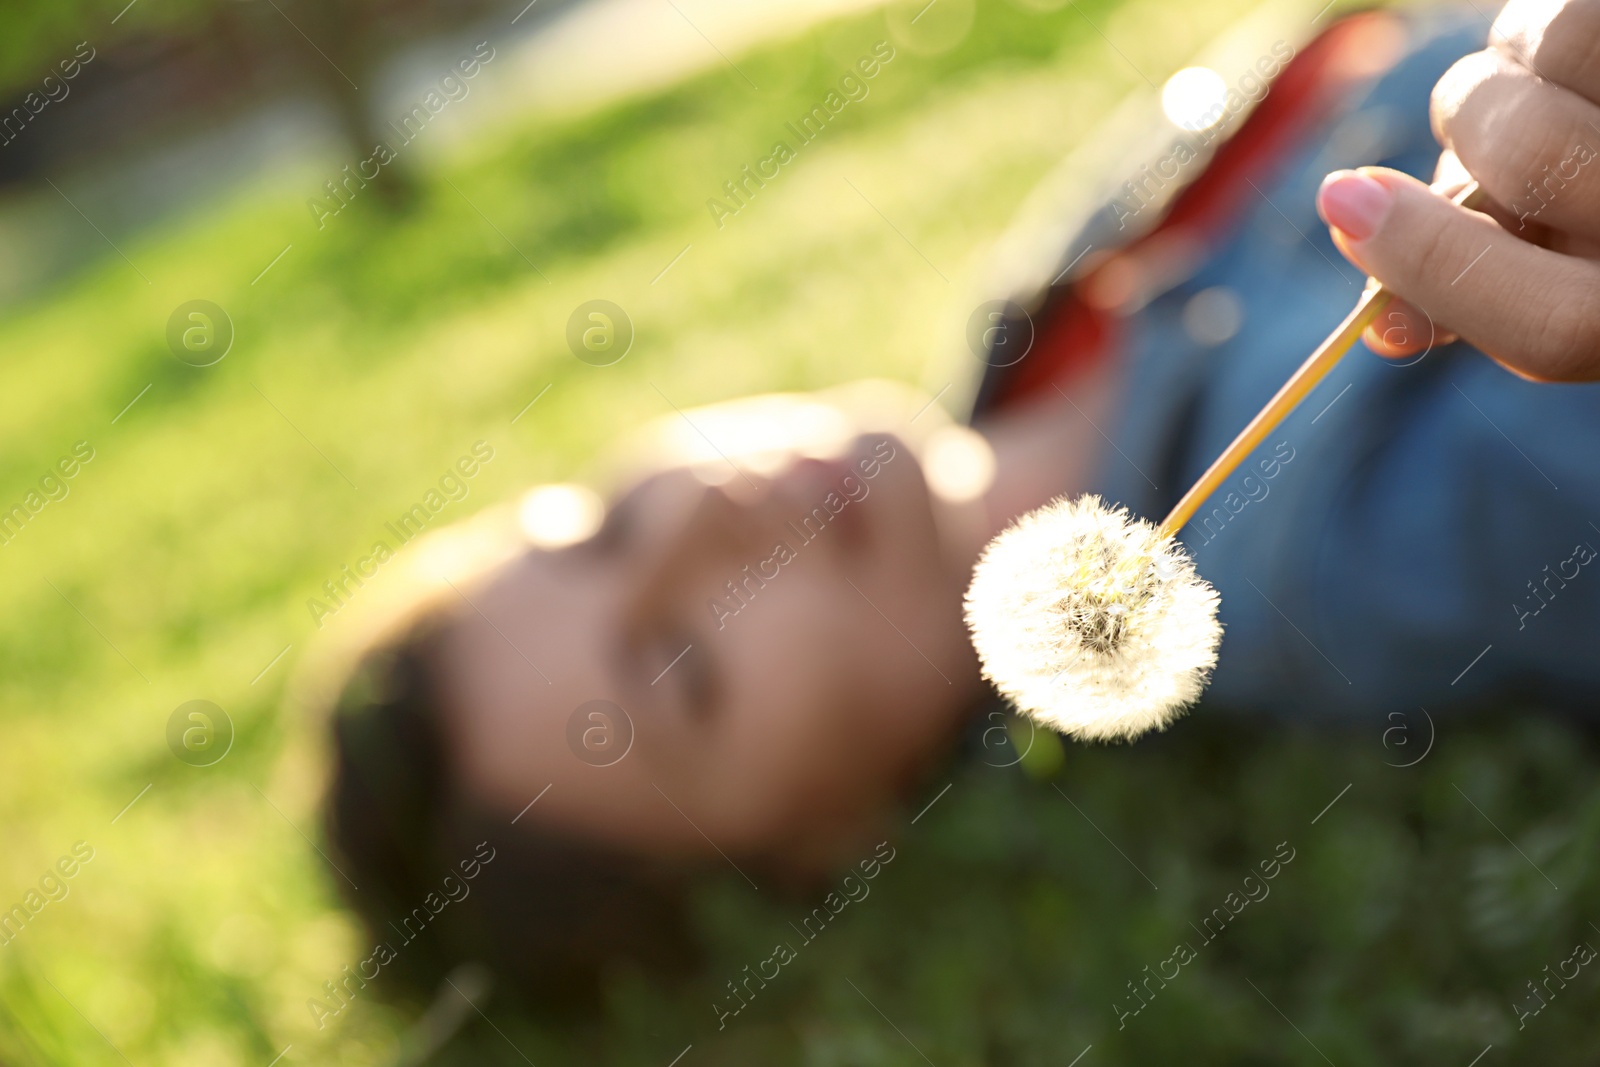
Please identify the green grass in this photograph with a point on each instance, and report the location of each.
(1015, 912)
(181, 563)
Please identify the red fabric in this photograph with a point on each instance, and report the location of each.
(1071, 332)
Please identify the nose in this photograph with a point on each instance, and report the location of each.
(685, 522)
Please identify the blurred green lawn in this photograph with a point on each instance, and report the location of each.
(379, 348)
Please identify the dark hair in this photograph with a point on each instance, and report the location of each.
(548, 913)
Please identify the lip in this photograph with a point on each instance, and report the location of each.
(807, 485)
(811, 478)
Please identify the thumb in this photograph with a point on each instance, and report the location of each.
(1534, 310)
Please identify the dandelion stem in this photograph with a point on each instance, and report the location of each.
(1299, 385)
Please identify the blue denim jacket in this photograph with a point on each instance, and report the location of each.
(1417, 534)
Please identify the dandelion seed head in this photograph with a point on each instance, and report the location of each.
(1091, 622)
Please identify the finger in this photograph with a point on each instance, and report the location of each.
(1404, 330)
(1558, 41)
(1536, 311)
(1531, 144)
(1450, 177)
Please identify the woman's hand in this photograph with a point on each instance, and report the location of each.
(1521, 278)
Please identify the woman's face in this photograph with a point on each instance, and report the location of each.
(760, 666)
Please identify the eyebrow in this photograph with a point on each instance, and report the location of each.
(620, 517)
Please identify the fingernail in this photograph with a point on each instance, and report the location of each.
(1354, 203)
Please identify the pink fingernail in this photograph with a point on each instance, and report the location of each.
(1354, 203)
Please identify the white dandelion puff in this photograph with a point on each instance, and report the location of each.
(1095, 622)
(1091, 621)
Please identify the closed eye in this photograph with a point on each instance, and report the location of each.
(689, 677)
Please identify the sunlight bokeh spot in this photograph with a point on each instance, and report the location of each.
(1194, 99)
(557, 515)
